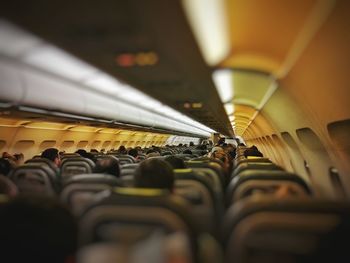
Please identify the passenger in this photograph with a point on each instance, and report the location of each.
(122, 150)
(5, 166)
(36, 229)
(52, 155)
(221, 142)
(191, 144)
(175, 162)
(108, 165)
(19, 158)
(230, 149)
(87, 155)
(133, 152)
(154, 173)
(253, 151)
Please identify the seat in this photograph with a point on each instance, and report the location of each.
(46, 162)
(78, 195)
(272, 230)
(184, 156)
(199, 183)
(76, 165)
(263, 175)
(254, 166)
(251, 159)
(279, 188)
(35, 178)
(128, 169)
(124, 158)
(94, 178)
(208, 163)
(127, 173)
(128, 215)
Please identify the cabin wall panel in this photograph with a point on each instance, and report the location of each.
(282, 115)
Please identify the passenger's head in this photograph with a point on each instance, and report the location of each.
(154, 173)
(175, 162)
(19, 158)
(133, 153)
(122, 150)
(36, 229)
(5, 166)
(87, 155)
(81, 152)
(108, 165)
(52, 155)
(191, 144)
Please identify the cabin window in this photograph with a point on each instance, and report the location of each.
(106, 145)
(46, 144)
(309, 138)
(95, 144)
(289, 140)
(82, 144)
(339, 132)
(116, 144)
(22, 146)
(67, 146)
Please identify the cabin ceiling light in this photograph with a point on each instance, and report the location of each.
(15, 41)
(208, 20)
(229, 108)
(223, 79)
(55, 60)
(51, 59)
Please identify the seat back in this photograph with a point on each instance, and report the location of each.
(76, 165)
(128, 215)
(124, 158)
(263, 175)
(35, 178)
(80, 195)
(254, 166)
(271, 230)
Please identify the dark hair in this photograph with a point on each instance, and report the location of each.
(133, 152)
(36, 229)
(5, 166)
(175, 162)
(81, 152)
(253, 151)
(154, 173)
(50, 153)
(191, 144)
(108, 165)
(87, 155)
(122, 149)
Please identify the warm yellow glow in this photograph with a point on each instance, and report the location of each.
(208, 20)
